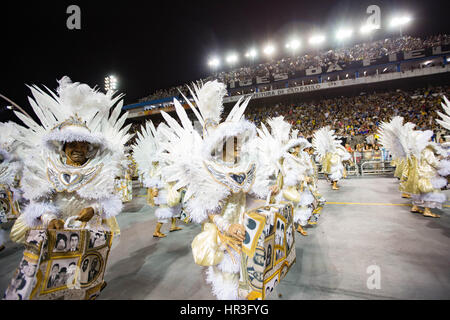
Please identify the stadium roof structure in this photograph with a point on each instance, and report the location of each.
(148, 103)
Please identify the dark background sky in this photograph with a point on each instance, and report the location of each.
(155, 44)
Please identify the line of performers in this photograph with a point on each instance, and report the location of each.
(421, 165)
(67, 165)
(209, 171)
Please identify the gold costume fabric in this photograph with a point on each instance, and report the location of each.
(417, 175)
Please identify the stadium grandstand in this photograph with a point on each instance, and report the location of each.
(352, 89)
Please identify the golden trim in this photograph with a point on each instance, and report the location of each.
(262, 219)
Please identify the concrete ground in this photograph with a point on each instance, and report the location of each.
(366, 227)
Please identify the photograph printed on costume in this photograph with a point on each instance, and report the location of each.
(97, 239)
(269, 250)
(24, 281)
(289, 213)
(35, 237)
(270, 285)
(289, 238)
(91, 266)
(67, 241)
(61, 270)
(280, 232)
(36, 241)
(279, 254)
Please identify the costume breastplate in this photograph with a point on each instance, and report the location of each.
(68, 178)
(235, 181)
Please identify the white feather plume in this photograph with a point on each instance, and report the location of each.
(325, 141)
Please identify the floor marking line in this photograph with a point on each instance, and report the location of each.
(377, 204)
(353, 203)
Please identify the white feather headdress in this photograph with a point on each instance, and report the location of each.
(146, 150)
(185, 151)
(77, 113)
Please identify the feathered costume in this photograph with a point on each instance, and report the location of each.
(55, 189)
(146, 152)
(280, 163)
(11, 153)
(124, 185)
(330, 153)
(217, 171)
(420, 177)
(391, 134)
(445, 123)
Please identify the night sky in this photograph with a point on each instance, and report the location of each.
(151, 45)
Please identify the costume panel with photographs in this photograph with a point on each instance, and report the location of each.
(268, 251)
(61, 265)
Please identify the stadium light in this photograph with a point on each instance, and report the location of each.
(214, 62)
(317, 39)
(269, 50)
(367, 28)
(293, 45)
(111, 83)
(399, 22)
(232, 58)
(342, 34)
(251, 54)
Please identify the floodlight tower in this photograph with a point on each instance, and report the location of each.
(110, 83)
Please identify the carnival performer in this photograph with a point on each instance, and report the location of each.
(319, 200)
(282, 164)
(217, 169)
(124, 184)
(11, 153)
(331, 154)
(391, 143)
(160, 194)
(421, 178)
(72, 159)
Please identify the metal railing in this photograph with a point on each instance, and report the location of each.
(367, 163)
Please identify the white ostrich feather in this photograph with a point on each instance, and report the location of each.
(145, 150)
(392, 134)
(209, 99)
(324, 141)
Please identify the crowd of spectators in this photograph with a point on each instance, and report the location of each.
(316, 58)
(356, 119)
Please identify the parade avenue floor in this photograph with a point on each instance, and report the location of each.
(366, 230)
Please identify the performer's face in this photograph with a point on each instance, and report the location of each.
(77, 151)
(296, 151)
(228, 156)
